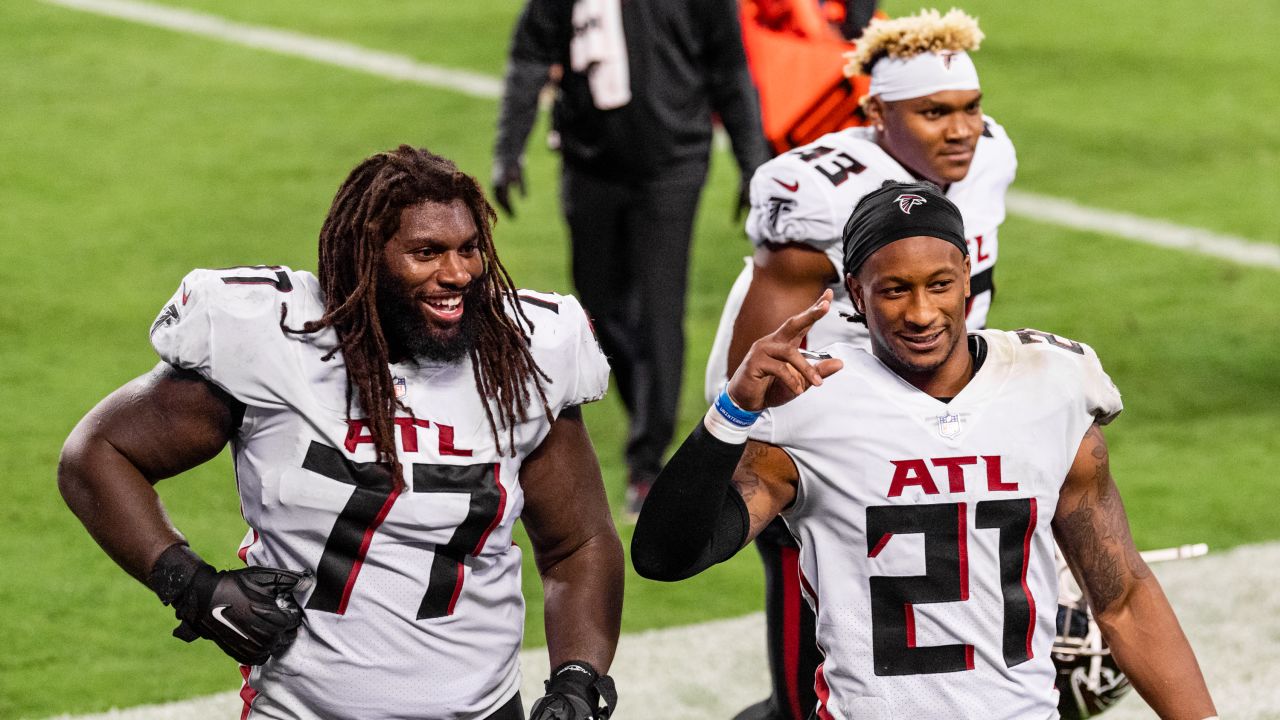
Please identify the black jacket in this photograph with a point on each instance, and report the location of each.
(686, 61)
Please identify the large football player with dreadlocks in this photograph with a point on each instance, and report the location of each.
(389, 420)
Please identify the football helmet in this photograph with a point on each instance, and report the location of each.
(1088, 679)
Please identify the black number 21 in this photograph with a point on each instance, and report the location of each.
(374, 494)
(946, 579)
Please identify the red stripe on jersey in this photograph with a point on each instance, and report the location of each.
(911, 624)
(824, 693)
(880, 545)
(497, 517)
(1026, 557)
(804, 583)
(791, 628)
(457, 587)
(243, 553)
(968, 657)
(247, 694)
(364, 548)
(963, 540)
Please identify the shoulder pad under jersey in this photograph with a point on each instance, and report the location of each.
(226, 326)
(564, 346)
(1073, 367)
(807, 194)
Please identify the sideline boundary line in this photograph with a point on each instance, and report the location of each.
(1040, 208)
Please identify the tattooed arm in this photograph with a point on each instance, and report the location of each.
(1127, 601)
(766, 479)
(707, 503)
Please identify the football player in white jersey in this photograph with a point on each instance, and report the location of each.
(389, 421)
(926, 122)
(926, 481)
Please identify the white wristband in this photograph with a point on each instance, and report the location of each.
(723, 430)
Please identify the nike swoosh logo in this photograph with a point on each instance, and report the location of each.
(185, 294)
(217, 615)
(793, 186)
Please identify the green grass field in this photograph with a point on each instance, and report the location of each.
(130, 154)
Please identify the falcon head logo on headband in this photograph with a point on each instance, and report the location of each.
(908, 201)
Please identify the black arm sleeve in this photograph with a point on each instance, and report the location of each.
(519, 109)
(539, 40)
(694, 517)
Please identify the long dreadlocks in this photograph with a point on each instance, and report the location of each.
(365, 215)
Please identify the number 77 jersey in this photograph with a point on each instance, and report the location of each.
(416, 610)
(926, 546)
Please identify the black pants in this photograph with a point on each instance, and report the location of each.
(630, 267)
(513, 710)
(793, 652)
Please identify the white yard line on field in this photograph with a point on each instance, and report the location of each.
(1226, 602)
(399, 67)
(1040, 208)
(286, 42)
(1160, 233)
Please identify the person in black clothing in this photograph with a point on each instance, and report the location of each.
(633, 112)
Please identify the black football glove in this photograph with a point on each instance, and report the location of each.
(250, 613)
(574, 692)
(507, 174)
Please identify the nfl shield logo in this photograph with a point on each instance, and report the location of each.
(949, 425)
(401, 387)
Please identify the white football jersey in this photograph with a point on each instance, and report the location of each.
(805, 196)
(416, 611)
(924, 527)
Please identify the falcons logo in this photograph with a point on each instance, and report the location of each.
(777, 207)
(908, 201)
(946, 60)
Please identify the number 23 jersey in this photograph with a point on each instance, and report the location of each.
(926, 546)
(416, 610)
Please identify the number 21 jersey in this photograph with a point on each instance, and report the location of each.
(924, 526)
(416, 610)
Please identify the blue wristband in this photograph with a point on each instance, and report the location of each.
(729, 410)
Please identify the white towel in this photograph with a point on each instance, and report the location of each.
(599, 49)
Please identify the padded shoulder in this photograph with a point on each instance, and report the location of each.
(806, 195)
(226, 325)
(564, 346)
(1072, 367)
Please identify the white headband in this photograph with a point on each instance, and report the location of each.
(924, 74)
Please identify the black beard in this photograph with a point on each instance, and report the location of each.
(409, 335)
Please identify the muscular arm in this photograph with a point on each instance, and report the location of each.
(156, 426)
(766, 478)
(1127, 601)
(577, 549)
(784, 281)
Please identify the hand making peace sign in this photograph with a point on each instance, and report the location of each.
(775, 371)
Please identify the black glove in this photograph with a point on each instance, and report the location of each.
(506, 175)
(250, 613)
(574, 692)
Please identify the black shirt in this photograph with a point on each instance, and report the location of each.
(686, 61)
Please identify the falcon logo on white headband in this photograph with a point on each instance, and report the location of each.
(923, 74)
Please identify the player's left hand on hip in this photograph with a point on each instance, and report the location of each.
(775, 370)
(574, 692)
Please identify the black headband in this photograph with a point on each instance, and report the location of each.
(898, 210)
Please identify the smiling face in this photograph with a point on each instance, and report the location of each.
(932, 136)
(431, 280)
(913, 293)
